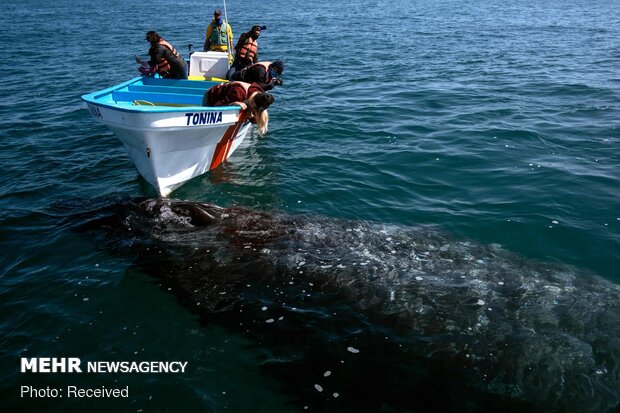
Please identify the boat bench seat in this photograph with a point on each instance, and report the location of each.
(158, 99)
(178, 83)
(166, 89)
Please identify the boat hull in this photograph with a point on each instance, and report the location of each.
(174, 141)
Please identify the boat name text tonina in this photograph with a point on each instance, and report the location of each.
(203, 118)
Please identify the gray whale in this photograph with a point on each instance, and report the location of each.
(404, 318)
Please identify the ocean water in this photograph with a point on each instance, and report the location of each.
(497, 123)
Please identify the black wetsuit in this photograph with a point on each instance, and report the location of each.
(255, 74)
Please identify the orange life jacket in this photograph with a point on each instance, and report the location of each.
(249, 50)
(163, 66)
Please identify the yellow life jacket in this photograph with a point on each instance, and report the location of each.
(219, 34)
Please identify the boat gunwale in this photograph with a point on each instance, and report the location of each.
(94, 99)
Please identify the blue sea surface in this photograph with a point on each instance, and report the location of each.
(496, 122)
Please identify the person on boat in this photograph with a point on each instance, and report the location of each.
(219, 34)
(246, 51)
(266, 74)
(252, 99)
(165, 60)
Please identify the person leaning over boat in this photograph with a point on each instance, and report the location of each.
(165, 60)
(266, 74)
(253, 100)
(246, 51)
(219, 34)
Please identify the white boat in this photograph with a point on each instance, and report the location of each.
(168, 134)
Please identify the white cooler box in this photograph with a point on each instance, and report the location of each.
(207, 65)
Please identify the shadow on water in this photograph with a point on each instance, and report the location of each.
(365, 317)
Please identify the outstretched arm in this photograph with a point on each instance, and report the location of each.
(243, 105)
(240, 42)
(230, 36)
